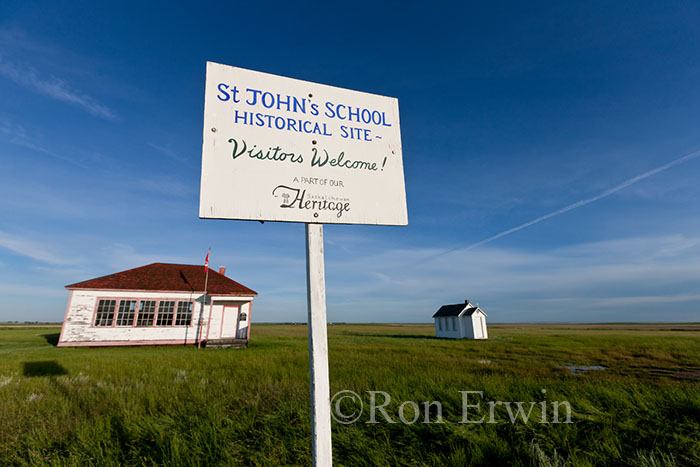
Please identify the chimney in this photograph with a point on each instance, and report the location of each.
(466, 302)
(222, 270)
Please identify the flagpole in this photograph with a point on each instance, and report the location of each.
(204, 301)
(206, 277)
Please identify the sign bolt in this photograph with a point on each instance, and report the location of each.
(213, 130)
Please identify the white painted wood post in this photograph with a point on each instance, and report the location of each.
(318, 348)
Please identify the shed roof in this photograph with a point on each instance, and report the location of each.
(164, 277)
(456, 310)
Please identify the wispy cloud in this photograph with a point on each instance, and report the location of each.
(628, 278)
(17, 134)
(162, 186)
(31, 291)
(168, 151)
(636, 278)
(119, 256)
(52, 87)
(29, 249)
(577, 204)
(635, 300)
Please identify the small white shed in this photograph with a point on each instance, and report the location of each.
(461, 321)
(158, 304)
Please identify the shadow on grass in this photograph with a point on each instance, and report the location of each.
(52, 338)
(392, 336)
(47, 368)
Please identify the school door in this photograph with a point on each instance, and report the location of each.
(229, 321)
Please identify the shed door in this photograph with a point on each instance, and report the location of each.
(479, 331)
(476, 325)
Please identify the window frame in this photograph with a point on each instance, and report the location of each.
(172, 314)
(103, 315)
(128, 311)
(135, 320)
(177, 313)
(141, 311)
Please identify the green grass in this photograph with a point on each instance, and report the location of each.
(183, 406)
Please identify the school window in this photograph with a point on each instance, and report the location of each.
(454, 321)
(105, 312)
(147, 311)
(166, 311)
(184, 314)
(439, 320)
(126, 313)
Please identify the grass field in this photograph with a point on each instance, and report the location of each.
(183, 406)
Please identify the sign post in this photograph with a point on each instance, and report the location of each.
(281, 149)
(318, 347)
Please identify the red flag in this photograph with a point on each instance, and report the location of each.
(206, 262)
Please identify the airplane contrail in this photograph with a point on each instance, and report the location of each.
(578, 204)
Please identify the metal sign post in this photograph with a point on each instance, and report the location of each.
(318, 348)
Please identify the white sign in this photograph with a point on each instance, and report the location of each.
(281, 149)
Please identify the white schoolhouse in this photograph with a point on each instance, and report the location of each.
(158, 304)
(461, 321)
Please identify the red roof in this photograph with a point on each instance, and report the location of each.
(166, 277)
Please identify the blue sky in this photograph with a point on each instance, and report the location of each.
(509, 112)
